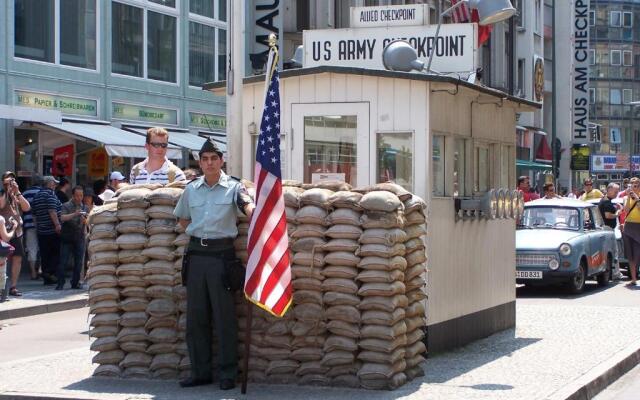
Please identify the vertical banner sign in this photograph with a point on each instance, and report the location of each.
(98, 163)
(580, 72)
(62, 161)
(263, 17)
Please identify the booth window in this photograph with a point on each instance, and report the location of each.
(482, 168)
(330, 147)
(395, 158)
(36, 23)
(159, 61)
(207, 41)
(507, 167)
(459, 167)
(438, 165)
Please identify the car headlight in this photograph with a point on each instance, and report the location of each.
(554, 264)
(565, 249)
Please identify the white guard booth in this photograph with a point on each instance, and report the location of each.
(441, 138)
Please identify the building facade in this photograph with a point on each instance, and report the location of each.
(126, 65)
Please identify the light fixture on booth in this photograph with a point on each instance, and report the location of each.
(399, 55)
(494, 204)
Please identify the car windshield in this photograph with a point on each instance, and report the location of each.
(550, 217)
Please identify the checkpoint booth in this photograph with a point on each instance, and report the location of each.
(443, 139)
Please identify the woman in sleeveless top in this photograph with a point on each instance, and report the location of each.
(15, 205)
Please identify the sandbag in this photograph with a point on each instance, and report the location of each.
(342, 231)
(383, 236)
(381, 289)
(132, 214)
(160, 212)
(131, 227)
(131, 241)
(380, 201)
(316, 197)
(344, 216)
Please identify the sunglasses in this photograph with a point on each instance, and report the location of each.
(159, 145)
(588, 184)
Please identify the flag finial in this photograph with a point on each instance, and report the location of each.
(273, 40)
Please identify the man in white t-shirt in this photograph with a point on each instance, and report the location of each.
(156, 168)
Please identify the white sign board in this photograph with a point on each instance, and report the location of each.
(455, 48)
(410, 14)
(327, 177)
(580, 72)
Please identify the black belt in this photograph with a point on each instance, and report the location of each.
(212, 242)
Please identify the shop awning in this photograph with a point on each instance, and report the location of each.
(531, 165)
(186, 140)
(116, 142)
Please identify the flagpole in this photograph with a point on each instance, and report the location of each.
(272, 61)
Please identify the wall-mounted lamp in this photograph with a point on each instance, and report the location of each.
(495, 204)
(252, 128)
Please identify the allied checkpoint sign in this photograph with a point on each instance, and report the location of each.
(455, 48)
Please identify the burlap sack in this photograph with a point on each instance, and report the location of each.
(337, 357)
(381, 201)
(414, 323)
(343, 313)
(414, 203)
(340, 271)
(283, 342)
(302, 328)
(340, 299)
(311, 215)
(417, 257)
(311, 367)
(382, 263)
(161, 307)
(415, 336)
(181, 240)
(290, 214)
(335, 342)
(106, 214)
(108, 357)
(382, 236)
(292, 196)
(163, 335)
(314, 259)
(103, 294)
(159, 279)
(134, 197)
(382, 358)
(107, 371)
(133, 319)
(131, 241)
(348, 381)
(307, 244)
(161, 239)
(417, 348)
(104, 331)
(349, 369)
(307, 284)
(414, 361)
(275, 353)
(342, 328)
(374, 371)
(165, 196)
(158, 267)
(137, 334)
(316, 197)
(415, 270)
(344, 232)
(416, 309)
(308, 312)
(416, 283)
(345, 199)
(380, 250)
(132, 214)
(136, 373)
(383, 332)
(375, 317)
(339, 285)
(383, 303)
(394, 188)
(106, 343)
(381, 289)
(415, 218)
(165, 361)
(105, 306)
(305, 271)
(280, 328)
(103, 231)
(159, 253)
(382, 345)
(133, 304)
(136, 360)
(343, 258)
(157, 226)
(307, 354)
(103, 257)
(131, 256)
(308, 341)
(131, 227)
(130, 269)
(159, 291)
(134, 291)
(308, 230)
(344, 216)
(105, 319)
(102, 281)
(380, 219)
(415, 231)
(125, 281)
(348, 245)
(414, 372)
(134, 347)
(376, 276)
(160, 212)
(104, 269)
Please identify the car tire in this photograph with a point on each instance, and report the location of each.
(576, 284)
(605, 276)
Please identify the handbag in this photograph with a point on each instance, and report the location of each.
(6, 250)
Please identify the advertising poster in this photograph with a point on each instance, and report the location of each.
(98, 163)
(62, 161)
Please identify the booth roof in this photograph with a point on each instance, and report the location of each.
(526, 105)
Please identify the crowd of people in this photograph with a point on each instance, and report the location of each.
(617, 206)
(47, 222)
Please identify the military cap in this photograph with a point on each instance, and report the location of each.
(209, 146)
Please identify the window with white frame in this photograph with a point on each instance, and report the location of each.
(207, 41)
(144, 36)
(592, 18)
(616, 57)
(519, 13)
(627, 95)
(438, 165)
(615, 19)
(627, 58)
(459, 167)
(592, 57)
(395, 158)
(615, 96)
(627, 19)
(60, 32)
(538, 17)
(482, 168)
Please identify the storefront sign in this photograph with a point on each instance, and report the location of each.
(207, 121)
(538, 78)
(580, 72)
(98, 163)
(64, 104)
(132, 112)
(409, 14)
(454, 49)
(614, 163)
(580, 157)
(62, 161)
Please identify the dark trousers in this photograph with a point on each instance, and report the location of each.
(207, 299)
(49, 252)
(73, 249)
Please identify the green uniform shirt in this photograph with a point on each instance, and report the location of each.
(213, 210)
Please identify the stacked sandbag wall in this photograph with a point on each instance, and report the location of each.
(358, 275)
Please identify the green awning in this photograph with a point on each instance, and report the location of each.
(531, 165)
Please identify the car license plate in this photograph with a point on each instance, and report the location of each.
(528, 274)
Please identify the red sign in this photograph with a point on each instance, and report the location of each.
(62, 161)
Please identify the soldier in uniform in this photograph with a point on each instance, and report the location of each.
(208, 210)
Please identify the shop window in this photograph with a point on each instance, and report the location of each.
(616, 57)
(459, 167)
(129, 36)
(26, 142)
(330, 147)
(615, 19)
(207, 41)
(615, 96)
(437, 165)
(627, 19)
(395, 158)
(627, 58)
(36, 23)
(482, 168)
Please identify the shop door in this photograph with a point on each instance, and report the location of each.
(331, 141)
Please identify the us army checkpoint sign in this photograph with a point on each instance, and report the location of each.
(455, 48)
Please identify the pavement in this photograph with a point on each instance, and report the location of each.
(566, 348)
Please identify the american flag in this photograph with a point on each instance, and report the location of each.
(268, 275)
(462, 15)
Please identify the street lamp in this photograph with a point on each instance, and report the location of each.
(397, 57)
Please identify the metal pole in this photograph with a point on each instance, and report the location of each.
(554, 160)
(435, 38)
(235, 73)
(247, 348)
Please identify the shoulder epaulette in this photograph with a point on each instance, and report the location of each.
(234, 178)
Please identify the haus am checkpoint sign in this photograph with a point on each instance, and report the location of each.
(455, 48)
